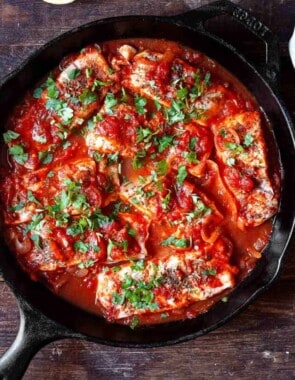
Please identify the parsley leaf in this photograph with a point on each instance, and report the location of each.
(143, 134)
(86, 264)
(140, 104)
(37, 93)
(138, 265)
(32, 198)
(45, 157)
(110, 102)
(162, 167)
(17, 207)
(131, 232)
(81, 246)
(192, 143)
(134, 323)
(181, 175)
(18, 153)
(236, 148)
(52, 91)
(248, 140)
(137, 162)
(9, 136)
(209, 272)
(118, 299)
(172, 240)
(175, 113)
(73, 73)
(87, 97)
(36, 239)
(191, 157)
(164, 142)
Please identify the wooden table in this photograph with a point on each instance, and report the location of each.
(258, 343)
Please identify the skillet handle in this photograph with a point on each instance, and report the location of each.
(35, 331)
(196, 18)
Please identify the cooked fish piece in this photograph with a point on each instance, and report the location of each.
(79, 89)
(42, 246)
(72, 188)
(145, 68)
(116, 129)
(241, 149)
(161, 284)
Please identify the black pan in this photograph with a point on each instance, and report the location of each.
(44, 316)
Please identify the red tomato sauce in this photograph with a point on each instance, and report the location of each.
(129, 155)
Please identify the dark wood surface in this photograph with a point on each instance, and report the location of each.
(259, 343)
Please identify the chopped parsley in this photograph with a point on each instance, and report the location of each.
(207, 79)
(88, 72)
(164, 142)
(99, 83)
(162, 167)
(86, 264)
(234, 147)
(9, 136)
(87, 97)
(119, 244)
(39, 138)
(248, 140)
(17, 207)
(18, 153)
(32, 198)
(110, 102)
(140, 104)
(113, 158)
(45, 157)
(131, 232)
(137, 265)
(61, 108)
(172, 240)
(175, 113)
(37, 92)
(118, 299)
(134, 323)
(192, 143)
(97, 156)
(143, 134)
(231, 161)
(181, 174)
(157, 105)
(209, 272)
(52, 91)
(73, 73)
(81, 246)
(182, 93)
(138, 293)
(200, 209)
(166, 201)
(36, 223)
(191, 157)
(36, 239)
(138, 160)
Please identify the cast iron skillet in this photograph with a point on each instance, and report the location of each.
(45, 317)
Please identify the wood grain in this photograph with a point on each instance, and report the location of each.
(259, 342)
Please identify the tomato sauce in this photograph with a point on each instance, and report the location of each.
(135, 155)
